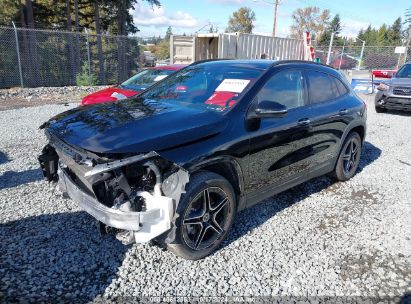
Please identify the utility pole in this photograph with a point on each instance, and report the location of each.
(276, 3)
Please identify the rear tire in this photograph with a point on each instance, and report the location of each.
(349, 158)
(380, 110)
(204, 216)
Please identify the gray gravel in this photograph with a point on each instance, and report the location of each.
(318, 239)
(45, 92)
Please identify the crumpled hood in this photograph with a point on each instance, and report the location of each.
(135, 126)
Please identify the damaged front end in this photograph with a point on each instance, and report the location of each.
(137, 194)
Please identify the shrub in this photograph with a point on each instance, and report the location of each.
(83, 78)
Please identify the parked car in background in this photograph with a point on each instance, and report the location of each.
(177, 162)
(132, 86)
(384, 73)
(395, 93)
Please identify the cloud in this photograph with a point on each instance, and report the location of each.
(158, 17)
(351, 27)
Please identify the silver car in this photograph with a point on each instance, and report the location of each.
(395, 94)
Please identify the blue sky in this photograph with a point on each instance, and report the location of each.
(188, 16)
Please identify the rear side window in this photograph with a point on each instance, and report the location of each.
(342, 89)
(321, 88)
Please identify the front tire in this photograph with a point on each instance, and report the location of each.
(204, 216)
(349, 157)
(380, 110)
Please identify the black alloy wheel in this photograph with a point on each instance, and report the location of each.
(205, 219)
(204, 216)
(349, 157)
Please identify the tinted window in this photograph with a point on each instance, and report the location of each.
(285, 87)
(321, 88)
(203, 85)
(342, 89)
(404, 72)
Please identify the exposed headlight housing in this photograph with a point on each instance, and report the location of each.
(383, 87)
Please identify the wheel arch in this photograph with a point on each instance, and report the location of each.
(228, 168)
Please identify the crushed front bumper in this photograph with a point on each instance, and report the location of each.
(143, 225)
(390, 101)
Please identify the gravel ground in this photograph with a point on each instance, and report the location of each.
(15, 98)
(318, 239)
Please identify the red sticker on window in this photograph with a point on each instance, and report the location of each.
(220, 98)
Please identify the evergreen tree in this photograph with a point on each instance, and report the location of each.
(394, 32)
(168, 33)
(382, 35)
(334, 26)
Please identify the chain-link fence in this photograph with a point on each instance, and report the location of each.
(367, 58)
(33, 58)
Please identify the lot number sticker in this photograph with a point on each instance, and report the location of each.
(232, 85)
(160, 77)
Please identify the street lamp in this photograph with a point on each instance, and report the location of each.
(275, 3)
(362, 53)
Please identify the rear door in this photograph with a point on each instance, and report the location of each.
(330, 114)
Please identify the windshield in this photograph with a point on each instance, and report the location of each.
(145, 78)
(404, 72)
(205, 85)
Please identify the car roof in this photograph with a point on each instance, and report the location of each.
(265, 64)
(171, 67)
(259, 64)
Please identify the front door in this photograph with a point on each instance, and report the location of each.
(278, 147)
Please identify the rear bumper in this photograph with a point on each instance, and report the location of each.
(145, 225)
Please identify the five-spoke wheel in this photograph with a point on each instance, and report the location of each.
(205, 213)
(349, 157)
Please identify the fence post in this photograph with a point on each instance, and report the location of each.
(88, 55)
(18, 54)
(362, 54)
(341, 57)
(329, 48)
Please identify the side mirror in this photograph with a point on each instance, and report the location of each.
(270, 109)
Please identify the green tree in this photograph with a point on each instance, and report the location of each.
(382, 35)
(241, 21)
(407, 23)
(309, 19)
(168, 33)
(334, 26)
(394, 32)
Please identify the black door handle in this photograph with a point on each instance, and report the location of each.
(304, 122)
(343, 111)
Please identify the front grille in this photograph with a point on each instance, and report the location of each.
(402, 91)
(398, 103)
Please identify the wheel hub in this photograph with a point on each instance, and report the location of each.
(206, 217)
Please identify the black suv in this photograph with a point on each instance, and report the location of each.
(177, 162)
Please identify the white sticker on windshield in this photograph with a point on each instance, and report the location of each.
(232, 85)
(118, 96)
(159, 77)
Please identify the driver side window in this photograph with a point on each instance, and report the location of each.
(285, 87)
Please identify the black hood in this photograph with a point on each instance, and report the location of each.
(135, 126)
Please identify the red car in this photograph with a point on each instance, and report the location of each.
(133, 85)
(384, 73)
